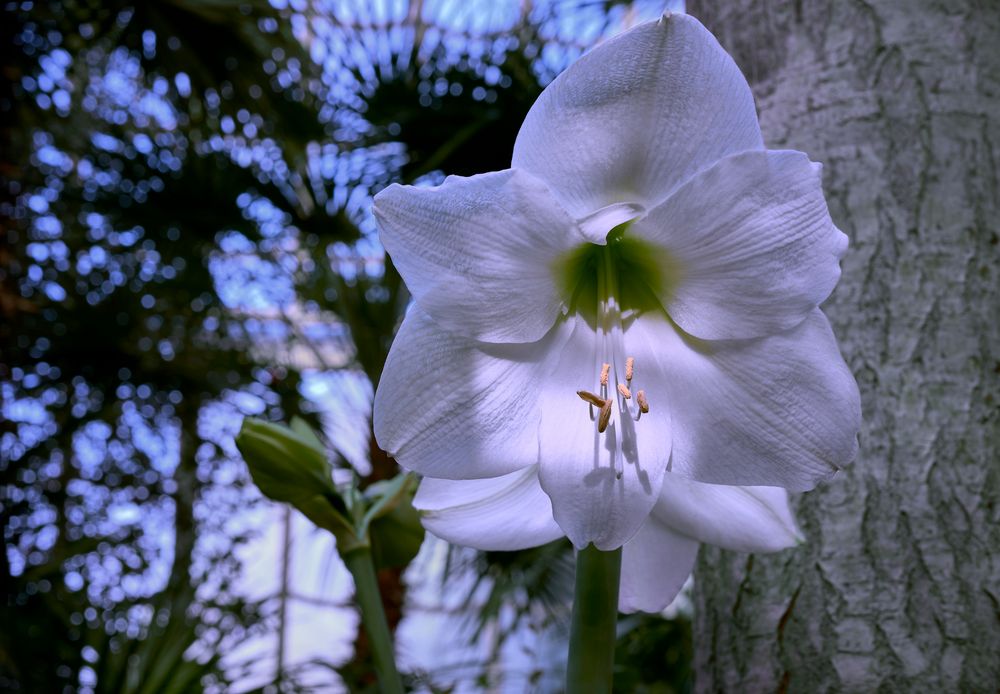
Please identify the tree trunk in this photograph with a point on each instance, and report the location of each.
(898, 586)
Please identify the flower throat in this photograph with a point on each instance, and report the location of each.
(635, 273)
(620, 273)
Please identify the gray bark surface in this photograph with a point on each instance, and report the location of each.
(898, 586)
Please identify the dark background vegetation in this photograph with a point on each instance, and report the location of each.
(186, 240)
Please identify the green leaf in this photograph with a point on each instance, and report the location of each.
(384, 495)
(396, 538)
(393, 524)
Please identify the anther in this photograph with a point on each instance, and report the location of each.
(605, 368)
(640, 398)
(626, 393)
(594, 400)
(605, 416)
(629, 368)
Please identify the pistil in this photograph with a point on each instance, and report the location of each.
(612, 387)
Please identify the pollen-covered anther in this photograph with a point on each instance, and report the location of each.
(625, 392)
(604, 417)
(629, 369)
(640, 398)
(595, 400)
(605, 368)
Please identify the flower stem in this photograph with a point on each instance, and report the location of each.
(595, 611)
(359, 563)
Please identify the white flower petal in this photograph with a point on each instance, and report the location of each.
(743, 519)
(638, 115)
(577, 464)
(655, 565)
(782, 411)
(477, 252)
(596, 225)
(754, 242)
(451, 407)
(499, 513)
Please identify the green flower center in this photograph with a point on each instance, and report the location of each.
(640, 275)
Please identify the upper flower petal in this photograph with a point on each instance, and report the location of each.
(638, 115)
(743, 519)
(780, 411)
(477, 252)
(499, 513)
(448, 406)
(597, 224)
(655, 564)
(754, 242)
(577, 464)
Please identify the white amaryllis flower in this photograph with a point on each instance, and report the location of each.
(512, 512)
(637, 294)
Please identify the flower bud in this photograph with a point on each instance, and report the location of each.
(285, 465)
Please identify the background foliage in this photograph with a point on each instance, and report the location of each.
(186, 240)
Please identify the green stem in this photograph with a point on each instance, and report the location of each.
(359, 563)
(595, 612)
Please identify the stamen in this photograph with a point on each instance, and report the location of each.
(626, 393)
(605, 416)
(605, 368)
(629, 368)
(594, 400)
(640, 398)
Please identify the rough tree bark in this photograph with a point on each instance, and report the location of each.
(898, 586)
